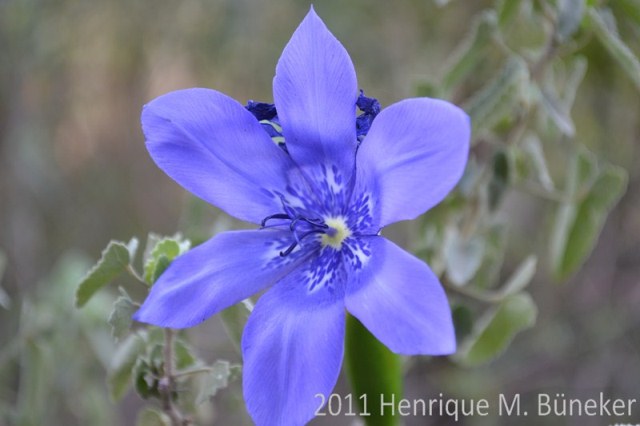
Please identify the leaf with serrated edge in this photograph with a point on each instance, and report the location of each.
(120, 317)
(114, 260)
(163, 253)
(215, 379)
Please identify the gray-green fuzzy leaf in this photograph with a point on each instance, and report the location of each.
(114, 260)
(120, 317)
(616, 47)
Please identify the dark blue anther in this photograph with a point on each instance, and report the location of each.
(274, 216)
(370, 108)
(268, 115)
(262, 110)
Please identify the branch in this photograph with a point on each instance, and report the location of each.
(167, 382)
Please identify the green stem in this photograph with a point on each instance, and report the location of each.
(375, 374)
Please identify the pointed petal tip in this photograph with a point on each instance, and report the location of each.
(431, 144)
(402, 303)
(315, 90)
(311, 14)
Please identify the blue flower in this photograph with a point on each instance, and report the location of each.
(320, 204)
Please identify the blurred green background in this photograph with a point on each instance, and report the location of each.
(74, 173)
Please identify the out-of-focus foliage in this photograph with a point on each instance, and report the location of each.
(59, 354)
(553, 90)
(521, 116)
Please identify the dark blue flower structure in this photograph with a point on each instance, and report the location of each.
(320, 204)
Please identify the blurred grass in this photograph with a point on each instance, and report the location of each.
(74, 172)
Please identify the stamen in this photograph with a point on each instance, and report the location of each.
(299, 240)
(274, 216)
(333, 232)
(312, 222)
(289, 250)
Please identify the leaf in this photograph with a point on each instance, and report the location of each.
(591, 194)
(145, 379)
(152, 240)
(471, 50)
(114, 260)
(577, 69)
(589, 219)
(496, 99)
(120, 317)
(495, 242)
(463, 256)
(234, 319)
(556, 111)
(521, 277)
(374, 371)
(533, 148)
(630, 9)
(497, 329)
(581, 172)
(507, 11)
(183, 354)
(212, 381)
(616, 47)
(499, 179)
(570, 13)
(119, 375)
(152, 417)
(163, 253)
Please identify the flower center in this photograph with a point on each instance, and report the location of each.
(301, 227)
(332, 230)
(337, 232)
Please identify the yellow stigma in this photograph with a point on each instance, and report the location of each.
(338, 232)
